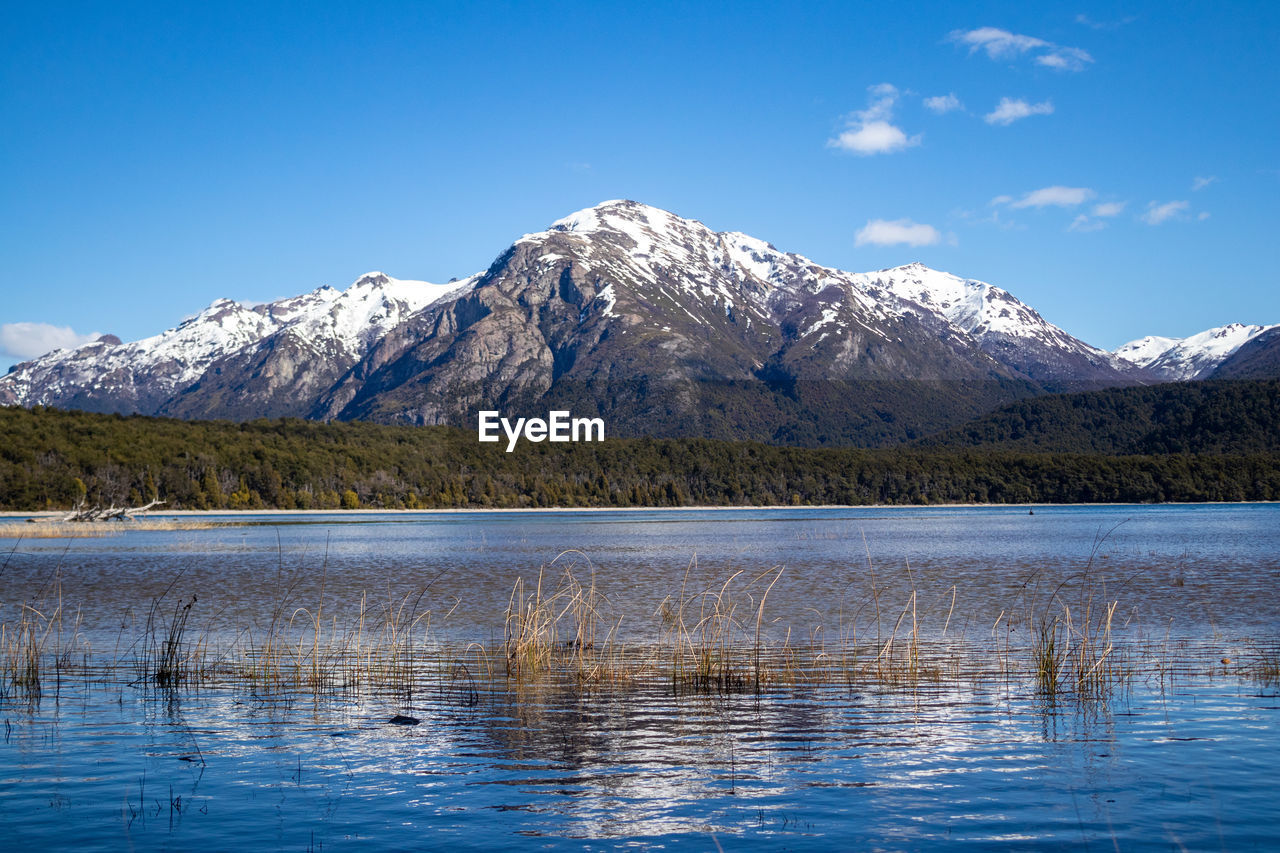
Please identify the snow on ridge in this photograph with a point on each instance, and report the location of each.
(975, 307)
(1194, 356)
(175, 358)
(1145, 350)
(372, 306)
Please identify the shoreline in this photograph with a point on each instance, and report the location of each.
(51, 515)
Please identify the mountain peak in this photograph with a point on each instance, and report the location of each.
(616, 214)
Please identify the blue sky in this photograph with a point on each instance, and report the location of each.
(1116, 166)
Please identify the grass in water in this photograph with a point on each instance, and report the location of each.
(711, 636)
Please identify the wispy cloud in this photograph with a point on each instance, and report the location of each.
(1001, 44)
(1157, 213)
(897, 232)
(30, 340)
(943, 103)
(1095, 220)
(1200, 183)
(998, 43)
(1055, 196)
(1086, 223)
(872, 131)
(1010, 110)
(1085, 20)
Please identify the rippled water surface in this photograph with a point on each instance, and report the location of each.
(113, 768)
(1180, 756)
(1185, 569)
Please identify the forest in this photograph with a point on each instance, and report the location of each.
(52, 459)
(1217, 416)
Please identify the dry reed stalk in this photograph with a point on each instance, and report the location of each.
(712, 639)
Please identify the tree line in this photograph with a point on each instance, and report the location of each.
(52, 459)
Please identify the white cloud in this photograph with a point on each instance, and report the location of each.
(871, 131)
(1204, 214)
(1157, 213)
(1104, 25)
(1002, 44)
(943, 103)
(31, 340)
(1109, 208)
(1065, 59)
(1090, 221)
(1010, 110)
(899, 232)
(876, 137)
(998, 43)
(1200, 183)
(1055, 196)
(1085, 223)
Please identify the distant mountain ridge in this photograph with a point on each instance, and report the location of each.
(1200, 356)
(654, 321)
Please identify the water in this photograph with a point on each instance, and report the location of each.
(114, 768)
(1166, 763)
(1189, 570)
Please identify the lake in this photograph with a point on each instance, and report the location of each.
(1178, 752)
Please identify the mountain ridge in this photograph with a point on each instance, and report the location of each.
(621, 308)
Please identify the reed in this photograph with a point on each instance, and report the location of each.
(37, 644)
(546, 631)
(1072, 649)
(23, 645)
(1265, 668)
(714, 636)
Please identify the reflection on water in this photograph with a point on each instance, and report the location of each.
(1167, 762)
(112, 767)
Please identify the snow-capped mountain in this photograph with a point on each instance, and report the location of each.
(663, 324)
(665, 320)
(331, 328)
(1194, 357)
